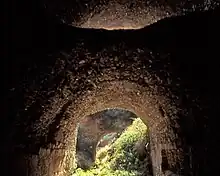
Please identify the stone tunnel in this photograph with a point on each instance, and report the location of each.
(59, 69)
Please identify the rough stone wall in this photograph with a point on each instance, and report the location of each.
(166, 72)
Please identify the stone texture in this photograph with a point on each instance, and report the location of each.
(117, 14)
(166, 73)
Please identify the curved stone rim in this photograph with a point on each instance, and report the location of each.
(131, 97)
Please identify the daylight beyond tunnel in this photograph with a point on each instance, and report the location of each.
(113, 142)
(94, 127)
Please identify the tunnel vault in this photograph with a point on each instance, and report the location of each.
(59, 158)
(156, 72)
(121, 14)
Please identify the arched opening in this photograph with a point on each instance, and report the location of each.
(111, 142)
(124, 95)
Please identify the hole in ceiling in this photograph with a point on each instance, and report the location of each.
(113, 141)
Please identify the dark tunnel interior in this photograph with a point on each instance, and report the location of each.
(64, 60)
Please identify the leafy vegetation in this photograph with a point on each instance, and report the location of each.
(120, 158)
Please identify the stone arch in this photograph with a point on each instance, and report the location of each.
(56, 106)
(129, 96)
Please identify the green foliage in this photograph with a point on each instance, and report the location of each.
(119, 158)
